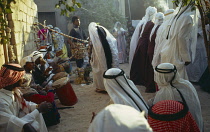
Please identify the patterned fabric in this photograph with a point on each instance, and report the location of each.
(9, 76)
(184, 124)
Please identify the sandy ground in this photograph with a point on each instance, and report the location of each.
(77, 119)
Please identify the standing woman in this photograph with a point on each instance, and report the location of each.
(119, 33)
(104, 53)
(150, 83)
(137, 73)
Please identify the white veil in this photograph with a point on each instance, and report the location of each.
(159, 17)
(123, 91)
(119, 118)
(149, 16)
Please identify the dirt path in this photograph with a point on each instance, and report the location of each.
(77, 119)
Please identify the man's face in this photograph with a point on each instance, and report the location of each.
(77, 22)
(30, 65)
(40, 60)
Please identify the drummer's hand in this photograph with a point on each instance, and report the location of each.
(44, 107)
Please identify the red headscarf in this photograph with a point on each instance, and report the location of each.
(183, 122)
(10, 74)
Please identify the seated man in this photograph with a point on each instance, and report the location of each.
(37, 95)
(16, 114)
(42, 70)
(119, 118)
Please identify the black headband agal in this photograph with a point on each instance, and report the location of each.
(160, 70)
(169, 117)
(13, 67)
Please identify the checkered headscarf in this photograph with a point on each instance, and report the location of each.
(10, 74)
(170, 116)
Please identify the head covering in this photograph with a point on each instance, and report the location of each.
(149, 16)
(10, 74)
(159, 17)
(168, 80)
(119, 118)
(43, 51)
(96, 32)
(171, 116)
(35, 55)
(122, 90)
(25, 59)
(117, 26)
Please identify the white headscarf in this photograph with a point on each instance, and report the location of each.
(24, 60)
(35, 55)
(149, 16)
(159, 17)
(134, 41)
(161, 35)
(98, 46)
(122, 90)
(119, 118)
(168, 92)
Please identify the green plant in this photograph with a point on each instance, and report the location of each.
(103, 12)
(5, 9)
(67, 7)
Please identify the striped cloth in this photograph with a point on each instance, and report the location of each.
(169, 107)
(10, 74)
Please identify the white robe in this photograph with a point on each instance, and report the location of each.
(160, 38)
(13, 120)
(98, 59)
(176, 47)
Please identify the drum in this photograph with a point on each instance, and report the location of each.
(65, 91)
(59, 76)
(78, 50)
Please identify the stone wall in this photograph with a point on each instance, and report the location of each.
(21, 21)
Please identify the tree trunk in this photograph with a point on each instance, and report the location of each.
(203, 21)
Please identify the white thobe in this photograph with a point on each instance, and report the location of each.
(12, 118)
(176, 49)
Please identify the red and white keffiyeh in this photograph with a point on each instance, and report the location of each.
(185, 123)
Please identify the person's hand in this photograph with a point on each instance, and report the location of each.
(46, 72)
(29, 128)
(44, 107)
(187, 63)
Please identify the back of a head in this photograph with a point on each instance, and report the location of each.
(165, 73)
(171, 116)
(159, 18)
(119, 118)
(150, 13)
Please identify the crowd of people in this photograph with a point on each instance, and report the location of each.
(162, 47)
